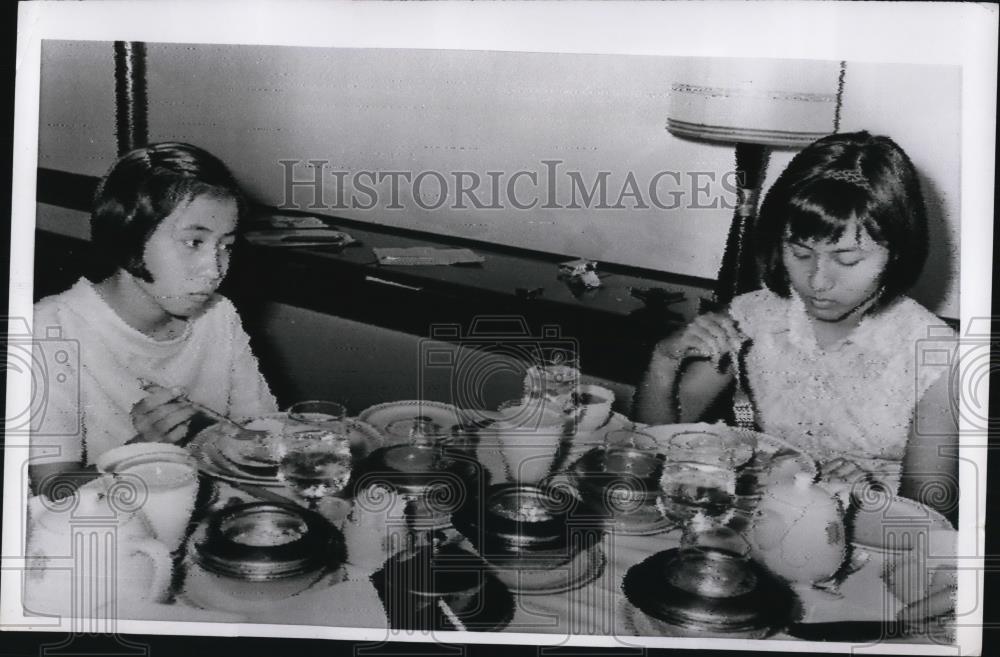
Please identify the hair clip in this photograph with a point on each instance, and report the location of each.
(852, 176)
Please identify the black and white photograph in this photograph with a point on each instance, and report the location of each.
(604, 325)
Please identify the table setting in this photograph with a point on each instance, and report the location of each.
(549, 514)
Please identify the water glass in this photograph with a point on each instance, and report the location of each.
(319, 414)
(314, 463)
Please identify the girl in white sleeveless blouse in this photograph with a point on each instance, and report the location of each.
(839, 361)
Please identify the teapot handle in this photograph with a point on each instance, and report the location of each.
(159, 555)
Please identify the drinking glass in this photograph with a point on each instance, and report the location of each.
(314, 463)
(319, 414)
(631, 439)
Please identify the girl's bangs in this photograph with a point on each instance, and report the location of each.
(823, 211)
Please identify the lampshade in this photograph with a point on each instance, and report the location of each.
(777, 102)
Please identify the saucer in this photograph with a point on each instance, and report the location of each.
(442, 417)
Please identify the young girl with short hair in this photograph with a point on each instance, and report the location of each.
(831, 345)
(155, 340)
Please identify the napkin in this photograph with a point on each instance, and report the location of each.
(426, 255)
(296, 237)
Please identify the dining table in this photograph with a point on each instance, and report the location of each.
(584, 597)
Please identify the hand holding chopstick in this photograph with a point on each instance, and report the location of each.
(167, 415)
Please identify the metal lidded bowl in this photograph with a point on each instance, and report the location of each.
(709, 592)
(265, 541)
(521, 525)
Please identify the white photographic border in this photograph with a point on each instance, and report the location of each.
(958, 34)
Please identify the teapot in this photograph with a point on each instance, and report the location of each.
(78, 544)
(798, 532)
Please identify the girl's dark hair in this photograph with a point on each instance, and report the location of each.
(142, 188)
(834, 180)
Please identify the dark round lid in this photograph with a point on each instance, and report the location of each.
(263, 541)
(709, 589)
(520, 515)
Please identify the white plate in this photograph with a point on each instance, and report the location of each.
(902, 522)
(212, 463)
(381, 416)
(363, 437)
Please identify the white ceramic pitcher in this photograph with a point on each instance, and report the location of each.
(89, 554)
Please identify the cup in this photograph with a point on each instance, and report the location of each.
(592, 404)
(168, 478)
(555, 375)
(171, 489)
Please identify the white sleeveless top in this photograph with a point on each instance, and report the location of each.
(853, 399)
(90, 393)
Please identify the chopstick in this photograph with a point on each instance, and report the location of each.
(451, 616)
(146, 384)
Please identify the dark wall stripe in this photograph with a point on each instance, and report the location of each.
(131, 104)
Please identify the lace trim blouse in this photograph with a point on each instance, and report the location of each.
(854, 398)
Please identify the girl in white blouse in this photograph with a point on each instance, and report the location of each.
(153, 340)
(835, 353)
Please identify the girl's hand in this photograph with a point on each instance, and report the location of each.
(842, 471)
(711, 336)
(843, 479)
(162, 416)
